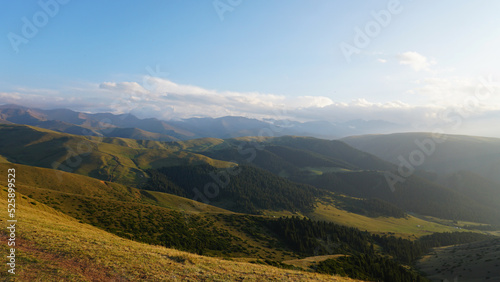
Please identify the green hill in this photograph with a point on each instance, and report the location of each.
(449, 154)
(110, 159)
(54, 246)
(246, 189)
(415, 194)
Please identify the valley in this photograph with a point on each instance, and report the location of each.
(290, 203)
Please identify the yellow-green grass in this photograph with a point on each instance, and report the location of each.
(41, 181)
(321, 170)
(452, 223)
(185, 205)
(307, 262)
(200, 144)
(54, 247)
(410, 227)
(71, 183)
(113, 159)
(3, 160)
(102, 203)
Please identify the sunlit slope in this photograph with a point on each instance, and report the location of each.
(145, 216)
(409, 227)
(59, 187)
(55, 247)
(111, 159)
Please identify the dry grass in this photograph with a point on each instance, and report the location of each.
(55, 247)
(309, 261)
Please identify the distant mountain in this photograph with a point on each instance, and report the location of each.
(444, 155)
(104, 124)
(223, 127)
(107, 125)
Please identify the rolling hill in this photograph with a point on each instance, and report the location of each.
(54, 246)
(278, 199)
(449, 154)
(330, 165)
(111, 159)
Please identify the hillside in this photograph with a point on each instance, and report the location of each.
(415, 194)
(257, 211)
(110, 159)
(54, 246)
(478, 261)
(330, 165)
(163, 219)
(449, 154)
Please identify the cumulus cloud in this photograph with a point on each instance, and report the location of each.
(183, 101)
(415, 60)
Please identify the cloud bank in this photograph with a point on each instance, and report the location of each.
(470, 99)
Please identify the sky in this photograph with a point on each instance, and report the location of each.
(427, 64)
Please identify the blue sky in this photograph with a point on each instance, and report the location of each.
(177, 59)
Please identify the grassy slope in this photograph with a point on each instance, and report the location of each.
(113, 159)
(410, 227)
(110, 205)
(37, 182)
(60, 190)
(53, 246)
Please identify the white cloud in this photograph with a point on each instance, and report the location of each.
(165, 99)
(457, 91)
(415, 60)
(383, 61)
(124, 87)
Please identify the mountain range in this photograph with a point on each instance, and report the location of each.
(292, 202)
(129, 126)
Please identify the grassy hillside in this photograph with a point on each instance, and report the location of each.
(249, 190)
(110, 159)
(330, 165)
(409, 227)
(162, 219)
(334, 149)
(53, 246)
